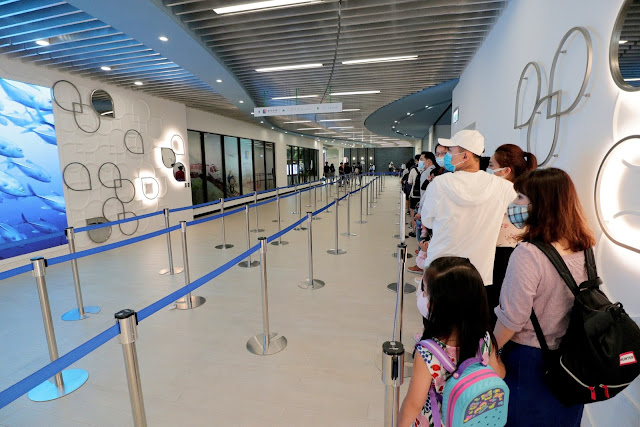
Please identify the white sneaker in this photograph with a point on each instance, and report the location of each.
(418, 280)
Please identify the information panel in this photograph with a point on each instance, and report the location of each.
(291, 110)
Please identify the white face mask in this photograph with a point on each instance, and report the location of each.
(493, 172)
(423, 304)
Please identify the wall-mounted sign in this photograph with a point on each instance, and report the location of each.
(454, 119)
(290, 110)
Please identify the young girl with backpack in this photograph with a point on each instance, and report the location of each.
(454, 302)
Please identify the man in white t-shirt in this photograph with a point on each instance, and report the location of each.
(465, 209)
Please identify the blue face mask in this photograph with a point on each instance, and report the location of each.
(518, 214)
(440, 161)
(421, 165)
(447, 163)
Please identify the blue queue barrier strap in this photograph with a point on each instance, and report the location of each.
(33, 240)
(43, 374)
(286, 230)
(16, 271)
(319, 211)
(211, 218)
(93, 251)
(255, 205)
(293, 193)
(201, 205)
(172, 297)
(238, 197)
(266, 191)
(343, 197)
(120, 221)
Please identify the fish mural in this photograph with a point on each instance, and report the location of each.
(32, 209)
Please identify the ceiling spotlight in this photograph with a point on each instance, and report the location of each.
(408, 114)
(619, 41)
(218, 81)
(288, 67)
(138, 83)
(241, 102)
(105, 68)
(426, 106)
(252, 113)
(294, 97)
(261, 121)
(261, 5)
(272, 127)
(387, 59)
(42, 42)
(163, 39)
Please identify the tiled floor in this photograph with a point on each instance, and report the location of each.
(195, 369)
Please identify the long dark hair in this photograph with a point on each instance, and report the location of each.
(555, 212)
(457, 303)
(512, 156)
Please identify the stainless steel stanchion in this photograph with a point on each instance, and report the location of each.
(403, 214)
(224, 244)
(362, 221)
(278, 242)
(128, 321)
(315, 202)
(255, 210)
(366, 190)
(373, 194)
(310, 282)
(309, 191)
(80, 312)
(66, 381)
(267, 342)
(336, 250)
(297, 201)
(327, 193)
(188, 301)
(402, 259)
(277, 197)
(348, 233)
(392, 377)
(248, 263)
(169, 270)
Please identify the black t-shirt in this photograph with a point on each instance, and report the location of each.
(347, 169)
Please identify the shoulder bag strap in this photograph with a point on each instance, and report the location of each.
(558, 263)
(536, 327)
(590, 263)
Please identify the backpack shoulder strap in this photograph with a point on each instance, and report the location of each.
(439, 353)
(558, 263)
(536, 327)
(590, 263)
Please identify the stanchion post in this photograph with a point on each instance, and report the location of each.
(224, 244)
(362, 221)
(255, 210)
(128, 321)
(80, 312)
(169, 270)
(248, 263)
(327, 193)
(401, 255)
(392, 377)
(297, 196)
(310, 283)
(65, 381)
(349, 233)
(309, 191)
(278, 242)
(266, 343)
(336, 250)
(366, 190)
(373, 195)
(188, 301)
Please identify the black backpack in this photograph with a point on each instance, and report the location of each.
(598, 356)
(415, 188)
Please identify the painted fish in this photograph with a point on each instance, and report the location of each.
(9, 149)
(30, 169)
(3, 121)
(46, 133)
(53, 200)
(10, 234)
(12, 186)
(20, 120)
(41, 225)
(33, 100)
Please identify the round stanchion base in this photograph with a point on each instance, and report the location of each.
(279, 243)
(348, 234)
(245, 264)
(75, 313)
(196, 301)
(315, 218)
(408, 363)
(167, 271)
(395, 255)
(317, 284)
(408, 289)
(275, 220)
(225, 246)
(299, 228)
(73, 379)
(294, 213)
(397, 236)
(360, 222)
(257, 230)
(276, 344)
(336, 251)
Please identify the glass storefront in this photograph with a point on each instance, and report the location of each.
(302, 165)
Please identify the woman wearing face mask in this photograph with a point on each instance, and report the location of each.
(548, 209)
(508, 162)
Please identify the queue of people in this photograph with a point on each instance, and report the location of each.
(481, 277)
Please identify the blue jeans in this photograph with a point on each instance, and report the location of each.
(531, 403)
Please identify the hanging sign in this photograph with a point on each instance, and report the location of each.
(291, 110)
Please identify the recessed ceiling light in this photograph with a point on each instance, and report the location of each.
(408, 114)
(426, 106)
(163, 38)
(252, 113)
(261, 5)
(335, 120)
(294, 97)
(299, 121)
(324, 133)
(261, 121)
(42, 42)
(218, 81)
(340, 127)
(623, 41)
(387, 59)
(309, 129)
(635, 79)
(286, 132)
(138, 83)
(272, 128)
(105, 68)
(351, 109)
(288, 67)
(360, 92)
(241, 102)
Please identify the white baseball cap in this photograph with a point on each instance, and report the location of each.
(470, 140)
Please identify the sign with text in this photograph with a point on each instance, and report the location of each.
(290, 110)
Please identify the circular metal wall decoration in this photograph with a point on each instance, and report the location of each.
(536, 68)
(548, 99)
(87, 184)
(99, 235)
(168, 157)
(56, 94)
(177, 144)
(123, 215)
(102, 103)
(115, 179)
(179, 173)
(624, 48)
(114, 201)
(132, 190)
(80, 110)
(133, 142)
(150, 187)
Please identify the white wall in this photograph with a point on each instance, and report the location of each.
(157, 121)
(209, 122)
(531, 31)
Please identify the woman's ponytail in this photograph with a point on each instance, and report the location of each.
(532, 161)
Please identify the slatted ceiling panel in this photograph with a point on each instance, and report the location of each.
(629, 53)
(445, 34)
(81, 44)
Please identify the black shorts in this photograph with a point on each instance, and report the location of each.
(413, 203)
